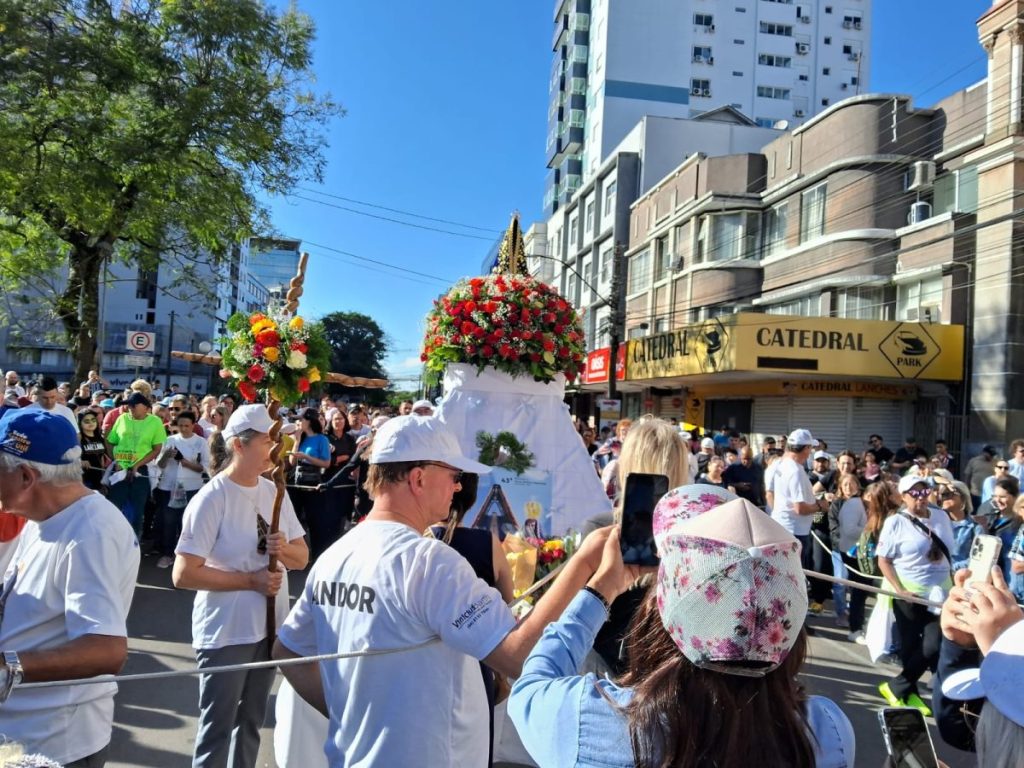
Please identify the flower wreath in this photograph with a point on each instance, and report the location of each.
(513, 323)
(273, 354)
(503, 450)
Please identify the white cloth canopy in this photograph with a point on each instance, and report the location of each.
(536, 414)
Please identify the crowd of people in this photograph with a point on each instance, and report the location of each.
(614, 665)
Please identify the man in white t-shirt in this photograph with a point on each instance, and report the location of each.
(790, 496)
(66, 594)
(12, 382)
(384, 586)
(45, 397)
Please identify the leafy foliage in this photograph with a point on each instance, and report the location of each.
(143, 131)
(358, 344)
(504, 450)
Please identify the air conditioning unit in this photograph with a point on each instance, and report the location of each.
(706, 92)
(912, 314)
(919, 211)
(798, 113)
(698, 59)
(922, 176)
(847, 24)
(855, 56)
(711, 60)
(856, 25)
(696, 91)
(805, 19)
(803, 48)
(843, 86)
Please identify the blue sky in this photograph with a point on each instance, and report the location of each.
(446, 118)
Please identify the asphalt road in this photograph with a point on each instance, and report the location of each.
(155, 722)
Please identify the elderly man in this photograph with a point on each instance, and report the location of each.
(46, 397)
(66, 594)
(12, 381)
(384, 585)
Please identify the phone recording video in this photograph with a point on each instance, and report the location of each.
(907, 738)
(636, 538)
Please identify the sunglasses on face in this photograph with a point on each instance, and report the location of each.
(918, 493)
(1002, 466)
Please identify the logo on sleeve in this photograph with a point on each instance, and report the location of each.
(469, 616)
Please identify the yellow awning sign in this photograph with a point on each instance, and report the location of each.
(815, 345)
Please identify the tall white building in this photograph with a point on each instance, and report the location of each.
(615, 61)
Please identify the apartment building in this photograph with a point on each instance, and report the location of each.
(615, 61)
(858, 274)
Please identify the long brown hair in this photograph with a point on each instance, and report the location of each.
(682, 716)
(878, 504)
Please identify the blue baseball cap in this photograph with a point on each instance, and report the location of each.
(37, 435)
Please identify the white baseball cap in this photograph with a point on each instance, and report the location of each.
(707, 442)
(422, 404)
(253, 416)
(909, 481)
(999, 679)
(801, 437)
(421, 438)
(822, 455)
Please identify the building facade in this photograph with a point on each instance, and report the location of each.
(858, 274)
(615, 61)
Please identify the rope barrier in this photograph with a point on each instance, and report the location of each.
(848, 567)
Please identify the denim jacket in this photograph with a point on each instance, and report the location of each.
(964, 532)
(565, 719)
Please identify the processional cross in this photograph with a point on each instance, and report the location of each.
(274, 408)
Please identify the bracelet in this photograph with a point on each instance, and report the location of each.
(599, 596)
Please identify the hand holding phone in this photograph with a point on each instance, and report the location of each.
(642, 493)
(984, 556)
(907, 739)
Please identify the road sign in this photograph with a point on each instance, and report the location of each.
(141, 341)
(138, 361)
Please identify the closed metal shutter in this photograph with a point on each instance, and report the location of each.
(666, 410)
(770, 417)
(844, 423)
(826, 417)
(889, 418)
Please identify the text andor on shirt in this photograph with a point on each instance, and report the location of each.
(341, 595)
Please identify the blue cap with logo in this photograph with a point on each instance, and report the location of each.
(37, 435)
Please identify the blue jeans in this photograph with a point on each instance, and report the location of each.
(130, 497)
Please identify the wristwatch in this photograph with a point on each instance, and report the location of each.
(13, 674)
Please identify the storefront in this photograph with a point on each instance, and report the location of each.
(766, 374)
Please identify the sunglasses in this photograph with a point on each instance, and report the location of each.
(918, 493)
(456, 473)
(1002, 466)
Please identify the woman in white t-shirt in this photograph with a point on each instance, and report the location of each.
(913, 556)
(224, 554)
(182, 462)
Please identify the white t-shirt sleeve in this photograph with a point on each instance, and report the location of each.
(94, 603)
(200, 525)
(798, 485)
(297, 633)
(460, 607)
(889, 539)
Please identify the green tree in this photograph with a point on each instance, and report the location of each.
(358, 348)
(137, 130)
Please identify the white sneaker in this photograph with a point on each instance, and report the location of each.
(165, 562)
(858, 638)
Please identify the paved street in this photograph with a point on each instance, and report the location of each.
(155, 721)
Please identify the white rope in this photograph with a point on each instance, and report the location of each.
(848, 567)
(873, 590)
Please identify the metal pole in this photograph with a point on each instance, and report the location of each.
(616, 318)
(170, 343)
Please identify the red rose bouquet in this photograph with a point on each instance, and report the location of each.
(513, 323)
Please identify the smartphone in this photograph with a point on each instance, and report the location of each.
(984, 556)
(636, 537)
(907, 739)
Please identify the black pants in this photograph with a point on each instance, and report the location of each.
(821, 562)
(920, 636)
(95, 760)
(327, 519)
(857, 596)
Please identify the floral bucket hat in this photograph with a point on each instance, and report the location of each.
(731, 591)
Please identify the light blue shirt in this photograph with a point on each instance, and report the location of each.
(964, 532)
(317, 446)
(565, 719)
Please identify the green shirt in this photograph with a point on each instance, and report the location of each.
(134, 438)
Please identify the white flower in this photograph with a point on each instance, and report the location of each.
(296, 359)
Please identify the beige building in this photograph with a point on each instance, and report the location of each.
(861, 273)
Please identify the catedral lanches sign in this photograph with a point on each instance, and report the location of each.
(808, 345)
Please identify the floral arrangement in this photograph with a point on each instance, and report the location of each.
(532, 558)
(273, 354)
(503, 450)
(513, 323)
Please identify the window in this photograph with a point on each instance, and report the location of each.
(723, 236)
(609, 196)
(702, 54)
(586, 296)
(771, 92)
(662, 258)
(773, 60)
(862, 303)
(780, 2)
(738, 42)
(848, 49)
(740, 10)
(765, 122)
(607, 254)
(640, 271)
(920, 301)
(737, 74)
(574, 221)
(771, 28)
(812, 213)
(807, 306)
(826, 70)
(588, 221)
(957, 191)
(828, 41)
(824, 102)
(775, 221)
(851, 21)
(570, 288)
(700, 87)
(828, 9)
(705, 20)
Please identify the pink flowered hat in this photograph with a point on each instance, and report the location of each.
(731, 588)
(685, 502)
